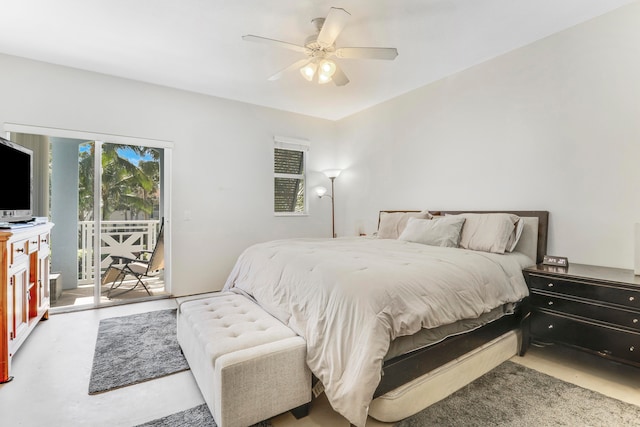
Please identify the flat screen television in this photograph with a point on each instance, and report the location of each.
(16, 177)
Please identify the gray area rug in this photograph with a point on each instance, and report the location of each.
(513, 395)
(133, 349)
(198, 416)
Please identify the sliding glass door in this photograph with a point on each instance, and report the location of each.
(131, 217)
(107, 199)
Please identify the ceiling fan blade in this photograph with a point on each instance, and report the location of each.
(339, 77)
(296, 65)
(258, 39)
(388, 53)
(333, 26)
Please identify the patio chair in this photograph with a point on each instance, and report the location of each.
(138, 267)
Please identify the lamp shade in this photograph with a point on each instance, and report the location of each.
(326, 69)
(332, 173)
(309, 70)
(320, 191)
(322, 78)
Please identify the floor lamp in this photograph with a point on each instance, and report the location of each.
(332, 174)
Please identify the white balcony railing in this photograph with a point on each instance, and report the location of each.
(120, 238)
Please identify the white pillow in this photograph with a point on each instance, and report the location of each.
(442, 231)
(514, 238)
(488, 232)
(392, 224)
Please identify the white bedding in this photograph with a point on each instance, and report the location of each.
(350, 297)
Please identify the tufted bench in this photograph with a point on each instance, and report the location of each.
(248, 365)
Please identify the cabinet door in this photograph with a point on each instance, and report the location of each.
(43, 271)
(43, 281)
(19, 282)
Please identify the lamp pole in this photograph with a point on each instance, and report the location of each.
(333, 222)
(332, 174)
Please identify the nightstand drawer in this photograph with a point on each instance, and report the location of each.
(609, 342)
(599, 292)
(586, 309)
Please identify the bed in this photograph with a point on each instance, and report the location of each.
(380, 313)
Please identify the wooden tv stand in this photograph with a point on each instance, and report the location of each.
(24, 287)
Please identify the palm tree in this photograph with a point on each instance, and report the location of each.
(126, 187)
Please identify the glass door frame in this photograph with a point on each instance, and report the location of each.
(99, 139)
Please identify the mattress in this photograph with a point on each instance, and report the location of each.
(426, 337)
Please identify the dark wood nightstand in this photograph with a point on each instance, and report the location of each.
(595, 309)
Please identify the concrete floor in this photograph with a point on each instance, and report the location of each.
(53, 366)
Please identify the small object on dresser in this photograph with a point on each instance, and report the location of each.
(557, 261)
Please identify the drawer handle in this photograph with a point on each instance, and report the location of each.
(550, 326)
(20, 250)
(550, 302)
(632, 348)
(631, 298)
(550, 285)
(635, 320)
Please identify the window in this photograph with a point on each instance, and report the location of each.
(289, 167)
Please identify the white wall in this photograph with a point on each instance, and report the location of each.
(552, 126)
(222, 167)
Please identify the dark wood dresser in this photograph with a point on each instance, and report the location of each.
(595, 309)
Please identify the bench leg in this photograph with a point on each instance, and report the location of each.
(301, 411)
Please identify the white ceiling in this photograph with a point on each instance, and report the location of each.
(196, 45)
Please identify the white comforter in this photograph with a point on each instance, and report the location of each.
(350, 297)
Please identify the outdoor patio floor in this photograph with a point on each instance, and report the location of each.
(83, 294)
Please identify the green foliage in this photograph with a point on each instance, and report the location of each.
(125, 187)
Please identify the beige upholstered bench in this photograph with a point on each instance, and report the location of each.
(248, 365)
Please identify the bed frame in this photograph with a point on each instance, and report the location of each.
(402, 369)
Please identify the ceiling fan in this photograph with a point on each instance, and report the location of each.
(320, 49)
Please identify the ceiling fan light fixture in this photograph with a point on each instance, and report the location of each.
(327, 67)
(309, 71)
(318, 48)
(326, 70)
(323, 78)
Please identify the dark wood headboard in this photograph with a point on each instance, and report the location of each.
(543, 224)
